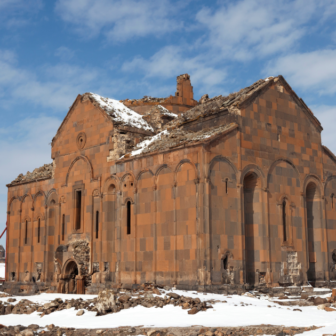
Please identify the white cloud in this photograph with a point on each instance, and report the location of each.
(25, 146)
(243, 30)
(16, 13)
(170, 61)
(311, 70)
(49, 86)
(118, 19)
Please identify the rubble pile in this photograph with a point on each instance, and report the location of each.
(52, 330)
(145, 99)
(43, 172)
(25, 306)
(158, 116)
(209, 106)
(178, 137)
(111, 301)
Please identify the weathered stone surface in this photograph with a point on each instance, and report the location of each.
(319, 301)
(80, 312)
(193, 311)
(105, 301)
(113, 180)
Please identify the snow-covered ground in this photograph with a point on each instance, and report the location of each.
(2, 270)
(237, 311)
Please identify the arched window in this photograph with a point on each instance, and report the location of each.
(128, 217)
(332, 200)
(97, 224)
(26, 232)
(63, 226)
(38, 230)
(284, 220)
(225, 262)
(78, 194)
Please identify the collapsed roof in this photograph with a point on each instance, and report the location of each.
(41, 173)
(170, 133)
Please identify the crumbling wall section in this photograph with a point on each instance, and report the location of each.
(290, 269)
(122, 141)
(158, 117)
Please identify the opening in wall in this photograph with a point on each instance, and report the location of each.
(97, 224)
(332, 200)
(38, 230)
(78, 194)
(284, 220)
(225, 262)
(63, 226)
(26, 232)
(128, 217)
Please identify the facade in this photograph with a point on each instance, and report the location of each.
(237, 191)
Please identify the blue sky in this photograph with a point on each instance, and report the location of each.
(51, 51)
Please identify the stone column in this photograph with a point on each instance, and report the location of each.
(80, 284)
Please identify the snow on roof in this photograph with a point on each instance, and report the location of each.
(166, 112)
(145, 144)
(120, 113)
(175, 138)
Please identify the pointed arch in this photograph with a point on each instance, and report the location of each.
(51, 196)
(85, 159)
(143, 172)
(11, 201)
(315, 179)
(327, 181)
(127, 199)
(275, 163)
(109, 181)
(252, 168)
(122, 180)
(219, 158)
(23, 199)
(39, 193)
(180, 164)
(67, 263)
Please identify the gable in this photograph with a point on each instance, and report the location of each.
(85, 126)
(275, 119)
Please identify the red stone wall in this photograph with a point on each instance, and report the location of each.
(206, 214)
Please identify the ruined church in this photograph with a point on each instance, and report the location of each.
(232, 192)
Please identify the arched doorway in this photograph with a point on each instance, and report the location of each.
(314, 228)
(69, 276)
(253, 222)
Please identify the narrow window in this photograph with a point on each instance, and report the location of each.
(78, 208)
(128, 217)
(226, 186)
(63, 226)
(97, 224)
(284, 220)
(332, 201)
(278, 137)
(38, 230)
(26, 232)
(225, 262)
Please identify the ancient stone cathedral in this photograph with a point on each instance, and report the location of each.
(232, 192)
